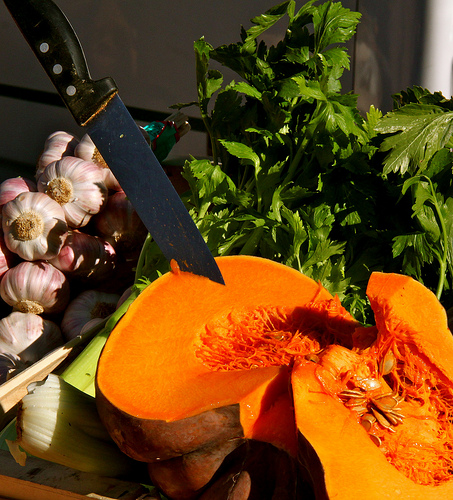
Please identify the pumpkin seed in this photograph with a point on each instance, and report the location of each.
(387, 363)
(376, 439)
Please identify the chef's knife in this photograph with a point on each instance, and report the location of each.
(97, 107)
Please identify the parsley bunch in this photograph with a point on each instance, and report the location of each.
(299, 176)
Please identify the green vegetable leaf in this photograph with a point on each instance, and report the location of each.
(418, 132)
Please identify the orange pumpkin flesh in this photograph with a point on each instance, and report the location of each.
(409, 453)
(266, 388)
(194, 365)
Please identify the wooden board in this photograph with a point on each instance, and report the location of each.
(40, 479)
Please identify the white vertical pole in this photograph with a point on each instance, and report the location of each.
(437, 54)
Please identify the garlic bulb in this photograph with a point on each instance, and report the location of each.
(87, 306)
(85, 256)
(14, 186)
(7, 258)
(87, 150)
(57, 145)
(77, 185)
(36, 287)
(28, 336)
(120, 224)
(34, 226)
(10, 364)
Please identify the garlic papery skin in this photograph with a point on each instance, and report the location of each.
(36, 287)
(10, 365)
(85, 257)
(8, 259)
(28, 336)
(87, 150)
(57, 145)
(14, 186)
(120, 225)
(78, 186)
(34, 226)
(87, 306)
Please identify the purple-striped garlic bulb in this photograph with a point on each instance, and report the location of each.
(8, 259)
(28, 336)
(14, 186)
(34, 226)
(36, 287)
(88, 306)
(85, 257)
(120, 224)
(77, 185)
(57, 145)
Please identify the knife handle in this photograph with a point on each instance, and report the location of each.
(55, 44)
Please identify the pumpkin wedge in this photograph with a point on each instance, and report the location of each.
(376, 422)
(195, 379)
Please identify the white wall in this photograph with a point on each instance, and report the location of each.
(147, 47)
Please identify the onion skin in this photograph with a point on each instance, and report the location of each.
(35, 287)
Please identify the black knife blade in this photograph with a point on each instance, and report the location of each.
(97, 107)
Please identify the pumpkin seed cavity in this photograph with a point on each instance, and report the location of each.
(262, 337)
(395, 394)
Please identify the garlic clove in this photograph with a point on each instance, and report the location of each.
(78, 186)
(57, 145)
(34, 226)
(36, 287)
(14, 186)
(86, 307)
(28, 336)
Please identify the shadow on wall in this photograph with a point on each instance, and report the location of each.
(386, 57)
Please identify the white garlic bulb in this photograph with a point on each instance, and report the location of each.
(57, 145)
(77, 185)
(28, 336)
(14, 186)
(36, 287)
(34, 226)
(86, 307)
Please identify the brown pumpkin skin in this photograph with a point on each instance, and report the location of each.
(157, 440)
(215, 434)
(342, 461)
